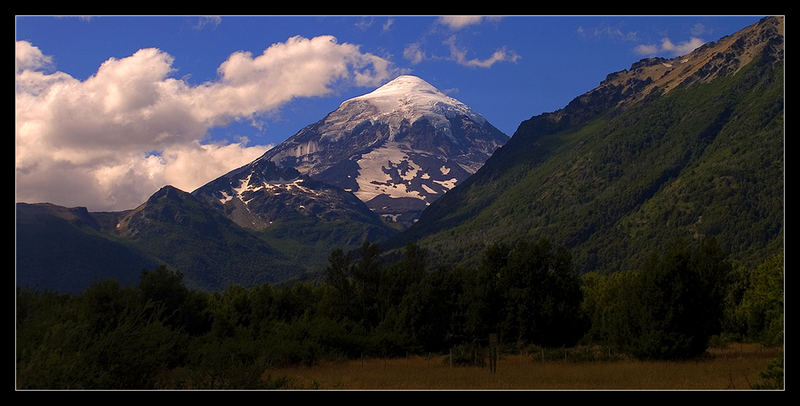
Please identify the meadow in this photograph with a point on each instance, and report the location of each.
(732, 367)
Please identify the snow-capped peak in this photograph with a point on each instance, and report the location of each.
(411, 97)
(396, 148)
(402, 86)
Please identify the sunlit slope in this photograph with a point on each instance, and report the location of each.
(616, 174)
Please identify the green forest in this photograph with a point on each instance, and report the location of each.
(700, 160)
(158, 333)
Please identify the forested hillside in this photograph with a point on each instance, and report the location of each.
(615, 173)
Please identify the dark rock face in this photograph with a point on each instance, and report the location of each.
(260, 193)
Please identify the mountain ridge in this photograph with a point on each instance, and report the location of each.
(652, 153)
(583, 173)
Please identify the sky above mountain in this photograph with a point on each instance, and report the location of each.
(109, 109)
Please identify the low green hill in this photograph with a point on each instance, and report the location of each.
(65, 249)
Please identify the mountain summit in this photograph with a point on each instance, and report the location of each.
(397, 148)
(409, 98)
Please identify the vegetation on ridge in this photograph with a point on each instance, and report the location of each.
(702, 160)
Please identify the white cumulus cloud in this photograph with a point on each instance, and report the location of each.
(459, 22)
(29, 57)
(110, 141)
(414, 53)
(668, 47)
(683, 47)
(460, 56)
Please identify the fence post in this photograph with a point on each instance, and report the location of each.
(493, 353)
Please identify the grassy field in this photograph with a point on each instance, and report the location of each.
(734, 367)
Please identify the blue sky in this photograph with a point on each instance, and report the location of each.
(192, 86)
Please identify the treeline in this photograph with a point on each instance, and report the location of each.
(159, 334)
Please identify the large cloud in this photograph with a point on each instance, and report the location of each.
(111, 140)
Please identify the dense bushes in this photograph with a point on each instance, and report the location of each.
(755, 302)
(682, 298)
(676, 303)
(109, 337)
(161, 334)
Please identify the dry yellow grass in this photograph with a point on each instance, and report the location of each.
(734, 367)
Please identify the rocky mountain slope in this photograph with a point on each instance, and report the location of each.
(398, 148)
(207, 247)
(685, 147)
(301, 216)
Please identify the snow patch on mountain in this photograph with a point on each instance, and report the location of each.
(225, 197)
(243, 186)
(373, 178)
(245, 192)
(448, 184)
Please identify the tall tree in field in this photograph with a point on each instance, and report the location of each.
(677, 301)
(338, 276)
(542, 294)
(366, 274)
